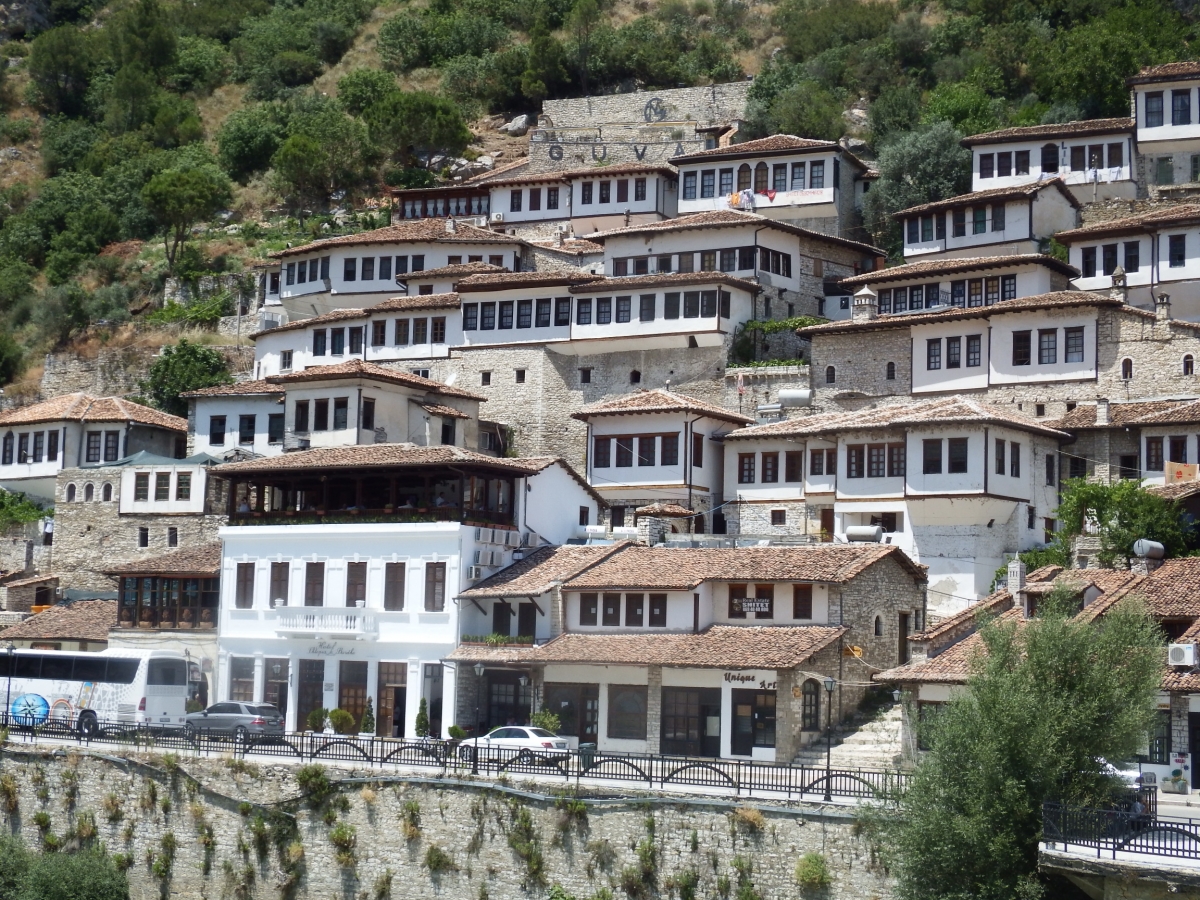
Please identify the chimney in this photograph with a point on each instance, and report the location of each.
(1162, 308)
(558, 237)
(1102, 412)
(866, 306)
(1119, 291)
(1016, 581)
(451, 226)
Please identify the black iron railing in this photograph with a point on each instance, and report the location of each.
(451, 759)
(1114, 832)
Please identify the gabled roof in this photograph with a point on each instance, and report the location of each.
(454, 271)
(541, 570)
(146, 458)
(1120, 415)
(729, 218)
(1170, 414)
(377, 456)
(683, 568)
(1049, 132)
(511, 280)
(942, 411)
(1171, 217)
(1052, 300)
(612, 171)
(424, 231)
(394, 304)
(83, 620)
(1166, 72)
(930, 267)
(204, 559)
(1016, 192)
(657, 400)
(774, 145)
(80, 407)
(237, 389)
(674, 279)
(356, 368)
(952, 665)
(570, 246)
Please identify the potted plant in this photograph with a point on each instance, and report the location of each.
(422, 722)
(366, 728)
(342, 721)
(316, 719)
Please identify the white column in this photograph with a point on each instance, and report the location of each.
(260, 672)
(221, 678)
(449, 699)
(293, 700)
(416, 683)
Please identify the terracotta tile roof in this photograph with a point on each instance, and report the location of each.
(438, 409)
(463, 269)
(487, 177)
(411, 230)
(237, 389)
(1120, 415)
(1016, 192)
(1171, 217)
(512, 280)
(952, 266)
(1166, 72)
(511, 654)
(719, 646)
(573, 246)
(417, 301)
(540, 570)
(1171, 591)
(356, 368)
(675, 279)
(82, 407)
(657, 400)
(1060, 129)
(730, 218)
(995, 603)
(768, 146)
(1175, 413)
(540, 464)
(1178, 491)
(952, 665)
(25, 582)
(942, 411)
(376, 456)
(682, 568)
(573, 174)
(1052, 300)
(83, 620)
(204, 559)
(664, 510)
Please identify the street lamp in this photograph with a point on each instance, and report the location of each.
(830, 684)
(479, 670)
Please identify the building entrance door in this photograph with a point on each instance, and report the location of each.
(312, 690)
(753, 721)
(352, 688)
(393, 691)
(827, 524)
(691, 721)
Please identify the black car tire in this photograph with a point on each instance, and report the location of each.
(467, 754)
(525, 757)
(190, 734)
(241, 735)
(88, 724)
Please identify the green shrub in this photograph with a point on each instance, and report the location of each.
(456, 733)
(342, 721)
(367, 726)
(543, 718)
(423, 719)
(316, 719)
(315, 784)
(812, 871)
(438, 861)
(344, 838)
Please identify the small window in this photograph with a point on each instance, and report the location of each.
(635, 377)
(107, 491)
(830, 375)
(485, 378)
(519, 376)
(779, 517)
(143, 537)
(1189, 365)
(957, 455)
(70, 493)
(585, 376)
(890, 373)
(1127, 369)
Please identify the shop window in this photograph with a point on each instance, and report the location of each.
(627, 712)
(810, 710)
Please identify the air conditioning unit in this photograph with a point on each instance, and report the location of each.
(483, 557)
(497, 218)
(1181, 654)
(497, 557)
(512, 539)
(474, 573)
(529, 539)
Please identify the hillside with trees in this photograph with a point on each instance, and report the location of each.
(147, 139)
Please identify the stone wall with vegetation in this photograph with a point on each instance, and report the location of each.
(225, 828)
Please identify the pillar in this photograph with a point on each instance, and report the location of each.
(787, 716)
(220, 678)
(260, 674)
(1180, 737)
(293, 703)
(653, 709)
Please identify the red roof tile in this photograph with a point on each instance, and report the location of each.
(411, 230)
(82, 407)
(1061, 129)
(1016, 192)
(83, 620)
(1170, 217)
(674, 279)
(357, 368)
(658, 401)
(237, 389)
(204, 559)
(773, 145)
(929, 267)
(541, 570)
(1166, 72)
(376, 456)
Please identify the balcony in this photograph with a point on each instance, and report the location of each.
(358, 624)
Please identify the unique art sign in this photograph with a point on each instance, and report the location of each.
(750, 679)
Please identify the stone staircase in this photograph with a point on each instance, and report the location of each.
(873, 744)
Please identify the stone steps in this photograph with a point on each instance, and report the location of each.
(868, 745)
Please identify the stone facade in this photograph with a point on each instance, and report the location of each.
(754, 517)
(702, 105)
(25, 593)
(116, 372)
(471, 824)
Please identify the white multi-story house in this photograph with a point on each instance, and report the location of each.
(1168, 126)
(1159, 252)
(696, 652)
(347, 403)
(996, 222)
(964, 282)
(39, 440)
(1095, 158)
(339, 587)
(954, 482)
(361, 270)
(657, 446)
(781, 177)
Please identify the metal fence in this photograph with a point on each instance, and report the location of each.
(450, 758)
(1110, 832)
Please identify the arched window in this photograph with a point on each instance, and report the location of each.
(760, 178)
(810, 709)
(1127, 369)
(70, 493)
(89, 492)
(106, 493)
(891, 371)
(830, 375)
(1189, 365)
(635, 377)
(1049, 158)
(878, 626)
(744, 177)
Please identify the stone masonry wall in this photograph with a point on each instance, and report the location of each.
(117, 371)
(711, 103)
(137, 801)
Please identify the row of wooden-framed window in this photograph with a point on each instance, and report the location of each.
(967, 292)
(954, 357)
(247, 429)
(741, 597)
(606, 610)
(1168, 449)
(341, 414)
(760, 179)
(31, 447)
(604, 191)
(162, 486)
(1078, 158)
(749, 471)
(641, 447)
(356, 585)
(730, 259)
(923, 229)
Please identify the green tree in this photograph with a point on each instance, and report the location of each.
(582, 23)
(422, 723)
(15, 509)
(60, 65)
(546, 71)
(896, 111)
(184, 367)
(143, 36)
(416, 124)
(12, 357)
(1048, 701)
(809, 110)
(132, 99)
(301, 172)
(363, 87)
(965, 105)
(248, 139)
(180, 198)
(1121, 513)
(812, 26)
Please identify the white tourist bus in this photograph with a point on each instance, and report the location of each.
(88, 691)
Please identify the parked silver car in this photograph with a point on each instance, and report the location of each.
(241, 721)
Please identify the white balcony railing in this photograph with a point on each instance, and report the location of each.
(357, 623)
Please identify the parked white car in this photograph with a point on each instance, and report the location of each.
(527, 742)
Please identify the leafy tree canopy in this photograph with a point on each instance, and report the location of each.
(1121, 513)
(184, 367)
